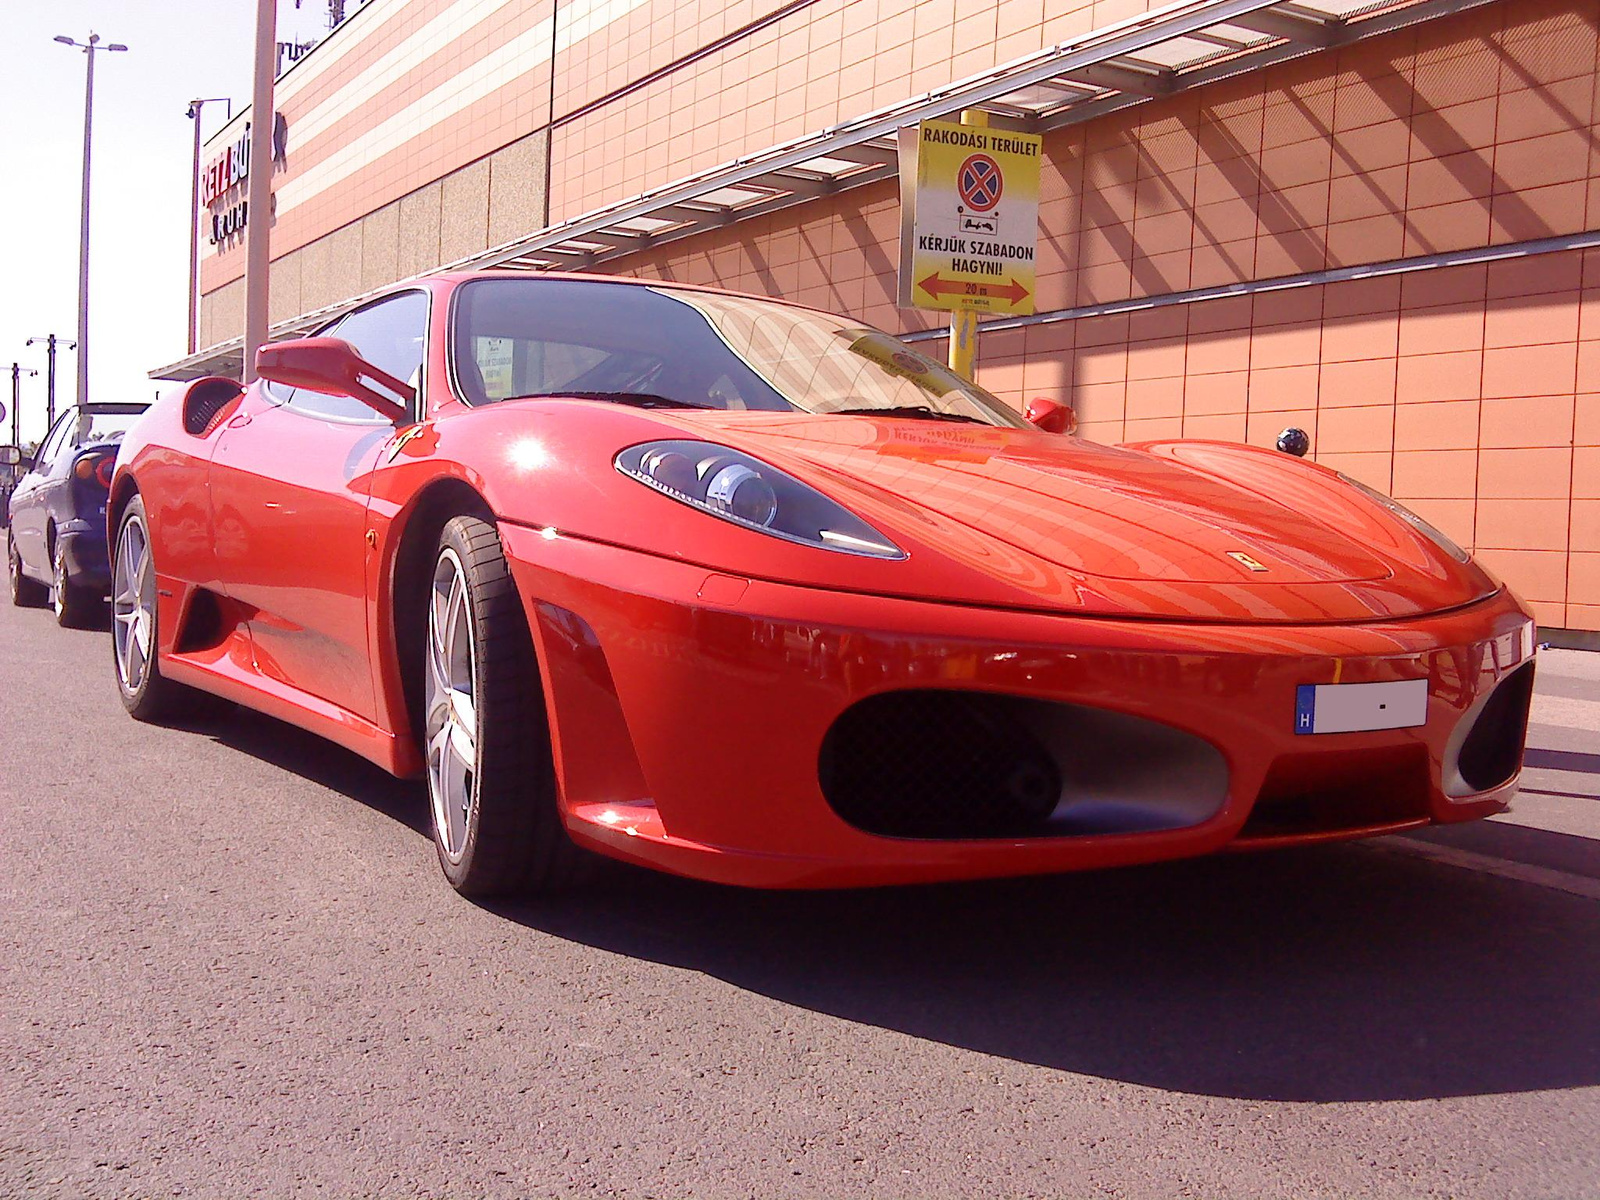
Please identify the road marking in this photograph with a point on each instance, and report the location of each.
(1484, 864)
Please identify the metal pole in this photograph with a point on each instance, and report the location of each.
(194, 229)
(258, 216)
(50, 382)
(17, 372)
(964, 321)
(83, 226)
(51, 342)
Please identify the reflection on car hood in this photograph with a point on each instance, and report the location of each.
(1184, 529)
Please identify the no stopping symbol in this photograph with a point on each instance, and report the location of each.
(980, 183)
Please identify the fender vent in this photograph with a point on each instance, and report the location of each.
(205, 401)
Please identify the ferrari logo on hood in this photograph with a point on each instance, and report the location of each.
(1239, 556)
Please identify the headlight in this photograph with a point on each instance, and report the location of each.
(1410, 518)
(751, 493)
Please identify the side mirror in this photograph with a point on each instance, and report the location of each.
(1051, 415)
(328, 364)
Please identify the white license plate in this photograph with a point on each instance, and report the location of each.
(1359, 707)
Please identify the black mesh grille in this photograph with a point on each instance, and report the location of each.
(937, 764)
(1492, 752)
(204, 402)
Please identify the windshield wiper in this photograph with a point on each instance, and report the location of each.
(636, 399)
(919, 412)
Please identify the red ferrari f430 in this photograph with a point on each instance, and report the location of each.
(749, 592)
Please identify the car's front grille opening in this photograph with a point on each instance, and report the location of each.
(1341, 791)
(1492, 752)
(937, 763)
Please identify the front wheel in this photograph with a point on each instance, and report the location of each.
(25, 592)
(491, 783)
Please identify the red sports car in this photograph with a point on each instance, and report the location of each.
(746, 591)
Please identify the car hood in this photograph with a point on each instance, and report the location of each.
(999, 517)
(1181, 529)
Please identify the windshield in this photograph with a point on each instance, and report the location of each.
(94, 426)
(560, 337)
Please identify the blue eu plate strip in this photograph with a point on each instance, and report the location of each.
(1305, 708)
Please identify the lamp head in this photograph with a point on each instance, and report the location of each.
(65, 40)
(116, 46)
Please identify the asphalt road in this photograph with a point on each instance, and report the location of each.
(232, 968)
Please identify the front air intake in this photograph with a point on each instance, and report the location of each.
(936, 764)
(1492, 752)
(927, 763)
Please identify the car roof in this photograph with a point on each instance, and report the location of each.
(115, 406)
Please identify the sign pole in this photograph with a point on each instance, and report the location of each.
(964, 321)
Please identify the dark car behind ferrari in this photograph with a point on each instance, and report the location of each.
(56, 535)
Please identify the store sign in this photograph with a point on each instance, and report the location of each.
(969, 227)
(220, 181)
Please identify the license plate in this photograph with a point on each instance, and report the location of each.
(1360, 707)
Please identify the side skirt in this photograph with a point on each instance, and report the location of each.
(227, 670)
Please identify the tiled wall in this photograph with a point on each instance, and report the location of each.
(824, 63)
(1472, 392)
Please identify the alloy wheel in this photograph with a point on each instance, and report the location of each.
(452, 726)
(133, 601)
(60, 579)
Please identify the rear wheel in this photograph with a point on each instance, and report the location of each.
(76, 607)
(25, 592)
(491, 784)
(146, 693)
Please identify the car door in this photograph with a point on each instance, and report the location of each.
(30, 501)
(289, 483)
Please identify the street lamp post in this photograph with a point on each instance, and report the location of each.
(195, 107)
(17, 372)
(51, 341)
(258, 224)
(88, 48)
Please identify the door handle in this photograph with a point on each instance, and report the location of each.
(240, 421)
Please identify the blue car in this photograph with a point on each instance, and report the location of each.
(56, 535)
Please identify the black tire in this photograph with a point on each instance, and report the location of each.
(513, 839)
(76, 607)
(152, 696)
(25, 592)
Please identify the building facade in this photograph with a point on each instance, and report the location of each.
(1377, 222)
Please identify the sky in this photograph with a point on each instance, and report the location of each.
(139, 232)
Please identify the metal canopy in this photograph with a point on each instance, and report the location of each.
(1184, 45)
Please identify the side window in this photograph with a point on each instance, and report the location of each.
(392, 335)
(50, 449)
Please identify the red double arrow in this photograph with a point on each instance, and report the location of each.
(934, 286)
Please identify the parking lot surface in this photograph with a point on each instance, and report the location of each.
(232, 968)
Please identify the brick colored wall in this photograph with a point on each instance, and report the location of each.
(1470, 392)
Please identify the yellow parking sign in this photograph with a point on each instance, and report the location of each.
(969, 218)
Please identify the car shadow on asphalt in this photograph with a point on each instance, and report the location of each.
(1327, 974)
(321, 761)
(1338, 973)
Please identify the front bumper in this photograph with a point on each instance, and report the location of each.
(689, 709)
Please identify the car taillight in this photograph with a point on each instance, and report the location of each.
(96, 467)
